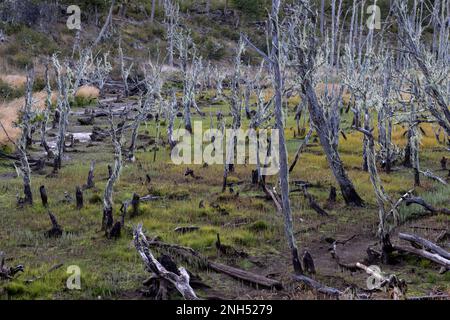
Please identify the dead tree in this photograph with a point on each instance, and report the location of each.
(172, 112)
(124, 70)
(180, 279)
(304, 46)
(63, 107)
(433, 65)
(274, 63)
(171, 21)
(236, 113)
(153, 83)
(108, 21)
(116, 137)
(382, 198)
(46, 113)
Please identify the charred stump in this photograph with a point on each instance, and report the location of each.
(56, 231)
(444, 163)
(135, 205)
(90, 180)
(79, 197)
(44, 197)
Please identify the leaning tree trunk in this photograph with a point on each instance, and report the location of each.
(349, 193)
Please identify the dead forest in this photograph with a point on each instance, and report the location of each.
(360, 202)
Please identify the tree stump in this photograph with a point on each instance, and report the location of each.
(56, 231)
(332, 196)
(44, 197)
(90, 181)
(135, 205)
(444, 163)
(109, 171)
(79, 197)
(255, 177)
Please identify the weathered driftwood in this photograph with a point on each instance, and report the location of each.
(426, 244)
(181, 281)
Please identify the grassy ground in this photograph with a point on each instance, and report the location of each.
(111, 269)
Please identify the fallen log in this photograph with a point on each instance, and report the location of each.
(317, 286)
(427, 206)
(434, 177)
(193, 257)
(187, 229)
(425, 254)
(425, 244)
(245, 276)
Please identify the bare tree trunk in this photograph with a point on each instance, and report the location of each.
(48, 106)
(349, 193)
(275, 56)
(152, 15)
(105, 26)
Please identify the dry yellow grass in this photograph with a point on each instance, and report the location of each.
(9, 113)
(14, 80)
(88, 92)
